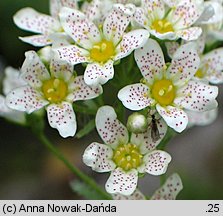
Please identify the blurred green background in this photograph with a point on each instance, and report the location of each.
(29, 171)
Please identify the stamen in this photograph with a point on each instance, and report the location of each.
(102, 51)
(162, 26)
(163, 92)
(55, 90)
(127, 156)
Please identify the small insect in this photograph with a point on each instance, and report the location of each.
(155, 134)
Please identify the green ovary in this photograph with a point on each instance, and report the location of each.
(163, 91)
(162, 26)
(55, 90)
(102, 51)
(127, 157)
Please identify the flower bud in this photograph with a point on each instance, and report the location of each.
(45, 54)
(137, 123)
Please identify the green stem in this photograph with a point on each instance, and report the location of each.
(72, 168)
(162, 179)
(169, 135)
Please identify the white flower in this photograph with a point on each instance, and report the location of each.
(212, 14)
(11, 80)
(211, 65)
(171, 89)
(166, 19)
(97, 10)
(44, 25)
(124, 156)
(100, 48)
(214, 26)
(168, 191)
(57, 89)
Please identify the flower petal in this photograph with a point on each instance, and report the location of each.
(145, 141)
(132, 40)
(30, 20)
(154, 7)
(156, 162)
(62, 117)
(171, 3)
(215, 77)
(33, 70)
(81, 91)
(185, 64)
(201, 118)
(69, 3)
(110, 129)
(201, 43)
(185, 13)
(122, 182)
(190, 34)
(212, 14)
(170, 189)
(137, 195)
(61, 69)
(60, 40)
(214, 60)
(84, 32)
(198, 96)
(141, 18)
(150, 60)
(174, 117)
(72, 54)
(172, 47)
(3, 107)
(56, 5)
(96, 73)
(25, 99)
(93, 10)
(164, 36)
(12, 80)
(11, 115)
(99, 157)
(37, 40)
(117, 21)
(134, 97)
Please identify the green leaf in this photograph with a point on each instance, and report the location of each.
(85, 190)
(87, 129)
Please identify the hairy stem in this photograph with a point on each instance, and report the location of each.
(169, 135)
(73, 169)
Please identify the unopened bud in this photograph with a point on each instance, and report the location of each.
(45, 54)
(137, 123)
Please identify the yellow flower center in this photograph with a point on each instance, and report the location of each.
(54, 90)
(200, 73)
(162, 26)
(102, 51)
(163, 92)
(127, 156)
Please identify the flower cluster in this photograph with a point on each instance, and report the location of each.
(85, 45)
